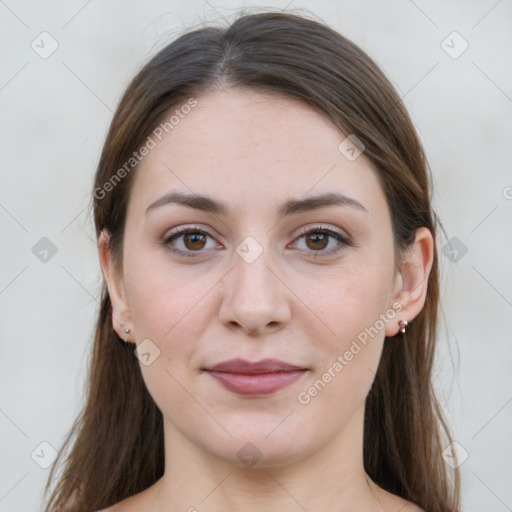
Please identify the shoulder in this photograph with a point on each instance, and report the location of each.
(406, 506)
(118, 507)
(402, 505)
(411, 507)
(122, 506)
(392, 502)
(140, 502)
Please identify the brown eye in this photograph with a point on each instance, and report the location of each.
(194, 241)
(320, 241)
(317, 241)
(189, 242)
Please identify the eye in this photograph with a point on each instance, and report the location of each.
(323, 240)
(188, 241)
(191, 242)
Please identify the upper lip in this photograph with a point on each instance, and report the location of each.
(254, 368)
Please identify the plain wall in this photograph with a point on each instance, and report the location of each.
(54, 115)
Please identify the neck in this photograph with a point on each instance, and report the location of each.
(332, 478)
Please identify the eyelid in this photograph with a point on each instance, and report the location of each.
(322, 228)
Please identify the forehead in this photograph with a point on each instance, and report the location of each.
(247, 147)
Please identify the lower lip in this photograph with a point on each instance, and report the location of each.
(256, 384)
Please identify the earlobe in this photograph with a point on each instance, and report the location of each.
(115, 284)
(412, 286)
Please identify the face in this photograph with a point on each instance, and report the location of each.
(263, 269)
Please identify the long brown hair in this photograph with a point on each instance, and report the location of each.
(115, 448)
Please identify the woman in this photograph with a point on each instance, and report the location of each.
(268, 322)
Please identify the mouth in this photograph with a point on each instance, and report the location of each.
(255, 379)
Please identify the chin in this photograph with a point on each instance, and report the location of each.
(258, 446)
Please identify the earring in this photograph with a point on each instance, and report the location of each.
(126, 331)
(402, 324)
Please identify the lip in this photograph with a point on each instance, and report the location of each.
(255, 378)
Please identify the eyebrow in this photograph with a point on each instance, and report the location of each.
(292, 206)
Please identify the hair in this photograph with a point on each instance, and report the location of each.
(116, 446)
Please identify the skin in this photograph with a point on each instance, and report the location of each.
(254, 152)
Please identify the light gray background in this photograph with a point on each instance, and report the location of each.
(55, 113)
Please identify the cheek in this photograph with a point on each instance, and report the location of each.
(168, 308)
(163, 298)
(348, 302)
(352, 310)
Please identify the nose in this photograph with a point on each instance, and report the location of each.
(255, 300)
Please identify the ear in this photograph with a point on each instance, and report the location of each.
(411, 282)
(121, 318)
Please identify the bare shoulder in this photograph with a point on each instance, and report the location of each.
(118, 507)
(405, 506)
(401, 505)
(411, 507)
(393, 503)
(140, 502)
(122, 506)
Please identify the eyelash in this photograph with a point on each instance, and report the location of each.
(344, 241)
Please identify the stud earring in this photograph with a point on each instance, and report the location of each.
(402, 324)
(126, 331)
